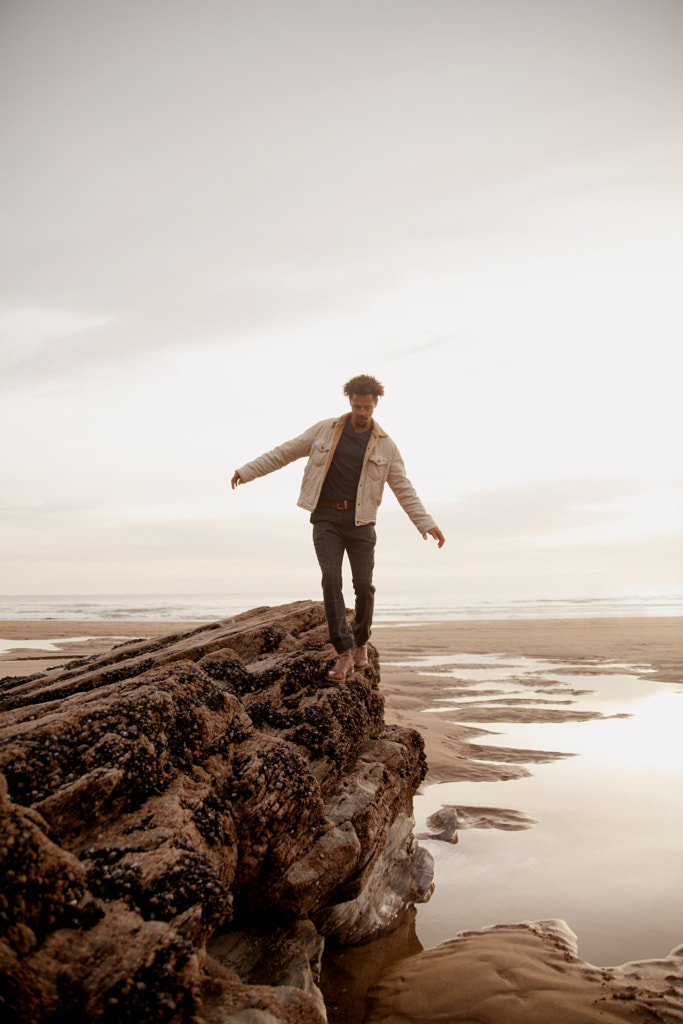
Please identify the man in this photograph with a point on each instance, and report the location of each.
(350, 459)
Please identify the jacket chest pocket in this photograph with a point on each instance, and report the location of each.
(378, 466)
(319, 453)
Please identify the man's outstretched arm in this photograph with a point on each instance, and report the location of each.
(285, 453)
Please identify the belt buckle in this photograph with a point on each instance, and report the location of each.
(342, 506)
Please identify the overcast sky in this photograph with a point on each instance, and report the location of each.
(214, 213)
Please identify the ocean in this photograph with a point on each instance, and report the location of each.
(210, 607)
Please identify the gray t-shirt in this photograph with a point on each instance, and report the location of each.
(341, 482)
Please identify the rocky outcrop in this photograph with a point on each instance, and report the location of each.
(185, 820)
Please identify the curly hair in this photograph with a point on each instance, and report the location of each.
(364, 385)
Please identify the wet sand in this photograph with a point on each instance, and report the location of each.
(516, 972)
(522, 974)
(23, 652)
(650, 643)
(655, 641)
(528, 972)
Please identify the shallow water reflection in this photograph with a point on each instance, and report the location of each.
(607, 853)
(58, 644)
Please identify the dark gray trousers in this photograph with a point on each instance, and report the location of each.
(335, 533)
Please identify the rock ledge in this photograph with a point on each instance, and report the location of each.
(185, 820)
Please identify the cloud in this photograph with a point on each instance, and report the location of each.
(549, 539)
(209, 224)
(579, 535)
(571, 512)
(28, 333)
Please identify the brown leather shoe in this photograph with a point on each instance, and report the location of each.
(360, 656)
(342, 667)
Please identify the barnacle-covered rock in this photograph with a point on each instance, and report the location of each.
(209, 787)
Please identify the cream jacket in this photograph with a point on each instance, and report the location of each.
(382, 465)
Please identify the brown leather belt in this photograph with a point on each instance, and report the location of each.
(341, 506)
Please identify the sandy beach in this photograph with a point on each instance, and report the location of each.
(651, 643)
(511, 964)
(654, 642)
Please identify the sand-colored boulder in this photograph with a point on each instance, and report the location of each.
(528, 973)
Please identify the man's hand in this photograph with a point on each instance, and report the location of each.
(237, 480)
(437, 535)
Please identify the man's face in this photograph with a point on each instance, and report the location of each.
(362, 408)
